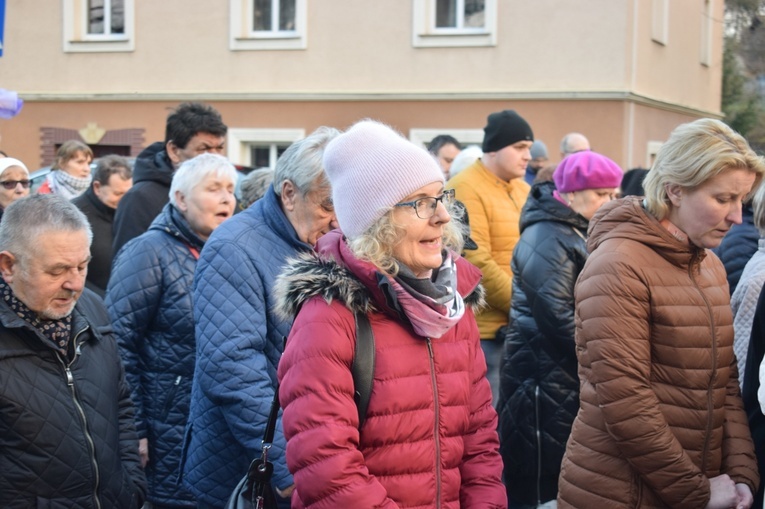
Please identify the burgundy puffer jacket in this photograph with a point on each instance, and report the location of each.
(660, 410)
(429, 439)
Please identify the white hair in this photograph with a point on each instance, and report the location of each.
(193, 171)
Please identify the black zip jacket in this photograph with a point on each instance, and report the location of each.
(67, 438)
(539, 385)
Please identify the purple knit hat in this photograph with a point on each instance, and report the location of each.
(586, 170)
(371, 168)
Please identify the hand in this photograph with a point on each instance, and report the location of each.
(745, 498)
(143, 451)
(722, 493)
(287, 492)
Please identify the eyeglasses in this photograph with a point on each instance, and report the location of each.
(11, 184)
(425, 208)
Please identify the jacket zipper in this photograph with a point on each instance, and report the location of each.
(88, 437)
(170, 398)
(539, 445)
(435, 423)
(710, 388)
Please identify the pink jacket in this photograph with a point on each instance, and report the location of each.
(430, 436)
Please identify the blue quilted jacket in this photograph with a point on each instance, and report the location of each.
(149, 301)
(239, 343)
(738, 246)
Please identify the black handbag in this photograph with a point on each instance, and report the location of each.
(255, 490)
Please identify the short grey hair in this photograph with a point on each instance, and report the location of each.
(26, 219)
(254, 186)
(112, 165)
(301, 163)
(758, 206)
(193, 171)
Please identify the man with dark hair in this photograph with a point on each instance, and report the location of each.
(67, 433)
(444, 148)
(113, 178)
(191, 129)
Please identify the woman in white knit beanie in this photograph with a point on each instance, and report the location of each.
(428, 436)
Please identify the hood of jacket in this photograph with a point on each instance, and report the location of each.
(153, 165)
(541, 205)
(332, 272)
(627, 219)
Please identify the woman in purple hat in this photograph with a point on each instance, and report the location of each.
(539, 388)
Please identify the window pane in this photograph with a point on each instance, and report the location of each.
(118, 16)
(262, 15)
(475, 11)
(287, 15)
(260, 157)
(446, 13)
(95, 16)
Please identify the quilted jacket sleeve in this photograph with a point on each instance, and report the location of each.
(133, 297)
(496, 282)
(547, 276)
(231, 330)
(481, 488)
(738, 450)
(320, 415)
(129, 440)
(614, 324)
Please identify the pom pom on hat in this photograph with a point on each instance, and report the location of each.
(505, 128)
(586, 170)
(372, 168)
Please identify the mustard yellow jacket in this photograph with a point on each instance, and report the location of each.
(494, 209)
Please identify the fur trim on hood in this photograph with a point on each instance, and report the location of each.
(311, 274)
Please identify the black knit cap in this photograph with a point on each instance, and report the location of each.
(504, 128)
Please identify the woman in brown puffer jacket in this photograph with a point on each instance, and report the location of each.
(661, 423)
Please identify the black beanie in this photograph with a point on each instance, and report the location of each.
(504, 128)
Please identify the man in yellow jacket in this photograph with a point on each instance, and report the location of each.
(493, 192)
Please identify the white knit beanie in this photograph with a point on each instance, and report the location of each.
(372, 168)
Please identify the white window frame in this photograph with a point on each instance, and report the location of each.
(422, 136)
(239, 140)
(78, 40)
(652, 149)
(707, 29)
(242, 37)
(660, 21)
(426, 35)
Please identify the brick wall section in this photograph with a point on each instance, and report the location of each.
(50, 137)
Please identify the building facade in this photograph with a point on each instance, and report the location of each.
(623, 72)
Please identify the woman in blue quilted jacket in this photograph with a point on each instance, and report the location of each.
(149, 301)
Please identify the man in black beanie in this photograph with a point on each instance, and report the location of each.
(494, 191)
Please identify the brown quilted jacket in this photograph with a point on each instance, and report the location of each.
(660, 410)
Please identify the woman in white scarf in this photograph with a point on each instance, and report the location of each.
(71, 175)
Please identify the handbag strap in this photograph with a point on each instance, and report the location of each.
(363, 367)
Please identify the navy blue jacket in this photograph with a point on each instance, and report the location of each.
(738, 246)
(152, 176)
(149, 300)
(539, 385)
(239, 343)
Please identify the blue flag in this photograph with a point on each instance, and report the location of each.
(2, 24)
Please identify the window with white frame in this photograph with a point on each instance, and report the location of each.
(260, 148)
(707, 29)
(267, 24)
(99, 25)
(453, 23)
(660, 21)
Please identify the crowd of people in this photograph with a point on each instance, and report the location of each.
(543, 335)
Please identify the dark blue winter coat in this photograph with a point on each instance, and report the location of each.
(539, 386)
(738, 246)
(150, 303)
(239, 343)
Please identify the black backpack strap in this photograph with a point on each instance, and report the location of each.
(363, 368)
